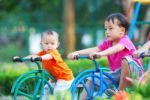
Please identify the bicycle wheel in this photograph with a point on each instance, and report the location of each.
(31, 86)
(79, 85)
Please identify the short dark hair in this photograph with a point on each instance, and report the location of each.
(123, 22)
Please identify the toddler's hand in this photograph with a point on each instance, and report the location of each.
(34, 57)
(73, 56)
(17, 59)
(94, 55)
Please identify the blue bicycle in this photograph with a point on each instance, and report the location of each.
(80, 82)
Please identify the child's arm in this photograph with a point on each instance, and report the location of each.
(109, 51)
(144, 48)
(47, 57)
(83, 52)
(44, 57)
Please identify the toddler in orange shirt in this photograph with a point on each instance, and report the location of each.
(53, 63)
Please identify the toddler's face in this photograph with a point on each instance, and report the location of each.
(113, 31)
(49, 42)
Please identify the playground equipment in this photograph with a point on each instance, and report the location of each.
(135, 21)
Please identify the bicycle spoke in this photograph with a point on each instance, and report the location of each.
(37, 87)
(85, 87)
(25, 94)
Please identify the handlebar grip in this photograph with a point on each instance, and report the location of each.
(36, 59)
(142, 55)
(17, 60)
(82, 57)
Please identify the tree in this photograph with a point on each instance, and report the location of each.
(69, 21)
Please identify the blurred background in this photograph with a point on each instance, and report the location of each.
(78, 22)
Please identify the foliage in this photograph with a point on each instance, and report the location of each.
(8, 74)
(83, 64)
(143, 90)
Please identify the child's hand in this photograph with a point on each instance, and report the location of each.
(73, 56)
(94, 55)
(34, 57)
(17, 59)
(136, 54)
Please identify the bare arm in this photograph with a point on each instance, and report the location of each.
(44, 57)
(144, 48)
(112, 50)
(88, 51)
(107, 52)
(47, 57)
(82, 52)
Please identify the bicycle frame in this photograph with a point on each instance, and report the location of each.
(91, 73)
(38, 75)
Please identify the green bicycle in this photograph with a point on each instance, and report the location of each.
(30, 85)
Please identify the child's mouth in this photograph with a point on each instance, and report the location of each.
(49, 49)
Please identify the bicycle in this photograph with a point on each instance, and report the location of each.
(40, 77)
(22, 86)
(80, 82)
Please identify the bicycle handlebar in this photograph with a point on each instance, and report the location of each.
(142, 55)
(19, 59)
(82, 57)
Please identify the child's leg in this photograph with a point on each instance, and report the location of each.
(84, 94)
(61, 88)
(115, 75)
(47, 91)
(128, 68)
(125, 72)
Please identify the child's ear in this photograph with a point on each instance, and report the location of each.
(123, 30)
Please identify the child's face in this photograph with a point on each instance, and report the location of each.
(113, 31)
(49, 42)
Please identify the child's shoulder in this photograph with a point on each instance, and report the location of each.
(54, 52)
(40, 53)
(125, 39)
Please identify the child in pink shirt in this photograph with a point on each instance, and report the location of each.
(118, 48)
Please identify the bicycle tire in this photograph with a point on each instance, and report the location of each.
(81, 79)
(24, 90)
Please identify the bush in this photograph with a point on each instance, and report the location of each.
(84, 64)
(8, 74)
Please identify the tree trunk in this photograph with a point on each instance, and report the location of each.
(69, 21)
(128, 8)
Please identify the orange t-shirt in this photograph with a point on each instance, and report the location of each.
(56, 67)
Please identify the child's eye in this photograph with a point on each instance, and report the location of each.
(110, 28)
(52, 43)
(46, 43)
